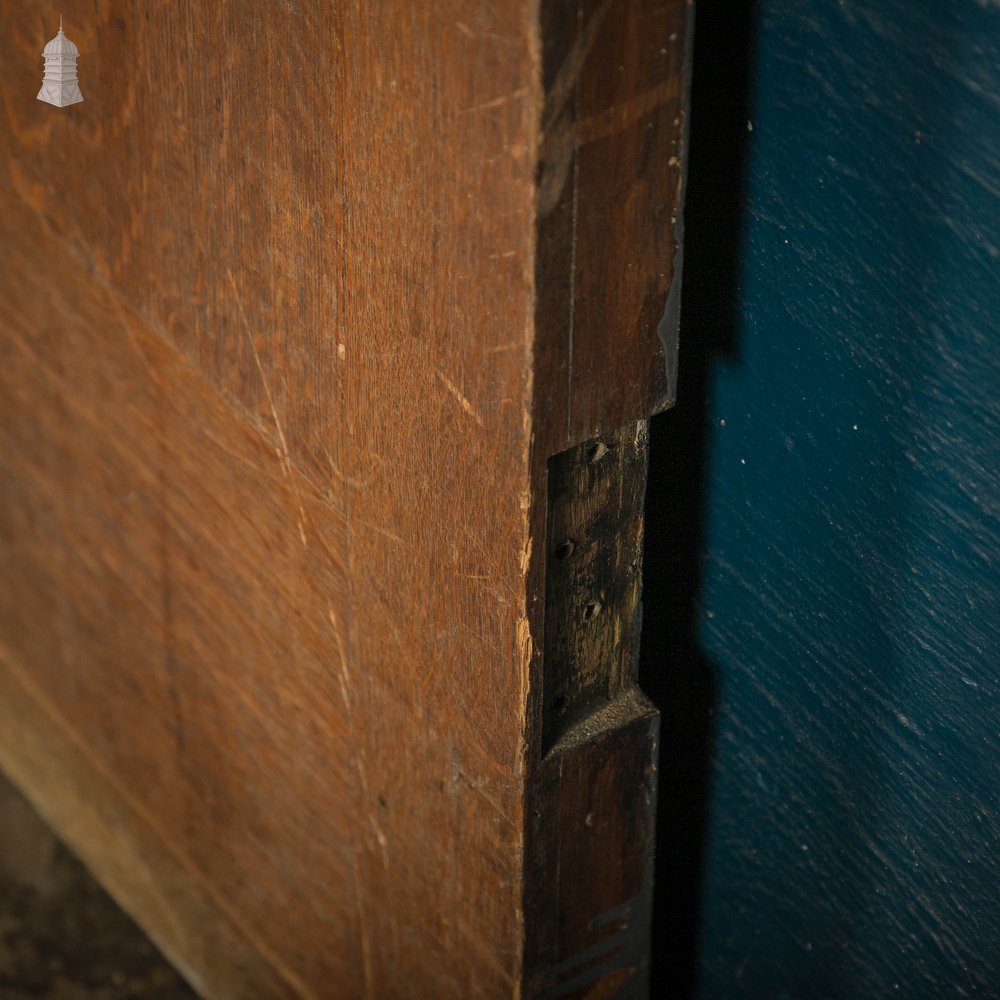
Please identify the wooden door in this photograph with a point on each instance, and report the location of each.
(329, 334)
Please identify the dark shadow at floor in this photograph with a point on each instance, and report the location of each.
(674, 671)
(61, 935)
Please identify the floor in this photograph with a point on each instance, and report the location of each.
(61, 936)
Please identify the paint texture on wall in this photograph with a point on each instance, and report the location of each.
(848, 604)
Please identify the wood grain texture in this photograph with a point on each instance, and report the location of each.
(269, 616)
(609, 210)
(280, 608)
(591, 796)
(139, 621)
(592, 809)
(610, 199)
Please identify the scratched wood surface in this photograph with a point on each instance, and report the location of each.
(270, 625)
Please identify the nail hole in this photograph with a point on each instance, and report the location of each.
(597, 452)
(565, 549)
(592, 610)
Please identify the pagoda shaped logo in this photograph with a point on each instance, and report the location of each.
(59, 85)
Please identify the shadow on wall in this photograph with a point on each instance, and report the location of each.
(852, 567)
(673, 670)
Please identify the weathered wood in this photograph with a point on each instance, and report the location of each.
(272, 523)
(592, 814)
(591, 796)
(594, 576)
(609, 214)
(610, 202)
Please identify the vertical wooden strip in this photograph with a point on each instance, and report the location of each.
(591, 795)
(609, 213)
(591, 840)
(607, 272)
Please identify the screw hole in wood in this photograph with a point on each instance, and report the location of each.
(597, 452)
(565, 549)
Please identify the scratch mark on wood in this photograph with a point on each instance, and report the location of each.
(610, 965)
(498, 102)
(462, 401)
(284, 458)
(508, 346)
(560, 139)
(622, 116)
(366, 948)
(569, 73)
(385, 533)
(345, 674)
(358, 484)
(283, 450)
(383, 841)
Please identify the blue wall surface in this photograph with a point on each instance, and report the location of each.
(824, 511)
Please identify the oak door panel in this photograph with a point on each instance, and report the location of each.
(281, 333)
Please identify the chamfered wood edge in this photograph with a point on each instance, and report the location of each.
(591, 825)
(596, 493)
(590, 809)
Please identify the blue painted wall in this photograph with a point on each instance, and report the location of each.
(825, 511)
